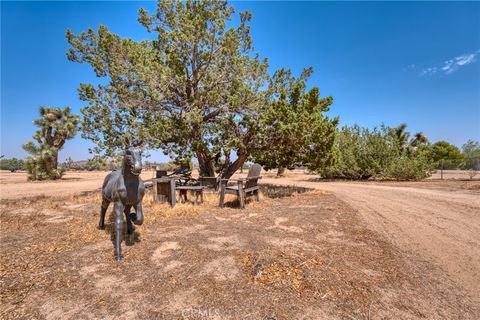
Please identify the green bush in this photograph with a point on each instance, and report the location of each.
(12, 165)
(41, 166)
(360, 154)
(414, 166)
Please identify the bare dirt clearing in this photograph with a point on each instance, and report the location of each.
(294, 255)
(439, 220)
(15, 186)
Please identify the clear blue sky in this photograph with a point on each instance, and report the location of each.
(381, 61)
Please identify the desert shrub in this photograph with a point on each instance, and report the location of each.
(471, 154)
(168, 166)
(413, 166)
(41, 166)
(96, 163)
(12, 165)
(360, 153)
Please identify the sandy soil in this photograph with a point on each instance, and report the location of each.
(348, 250)
(15, 185)
(438, 220)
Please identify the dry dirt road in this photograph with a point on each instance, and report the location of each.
(439, 224)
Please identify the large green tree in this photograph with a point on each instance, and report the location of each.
(56, 126)
(442, 150)
(196, 89)
(293, 128)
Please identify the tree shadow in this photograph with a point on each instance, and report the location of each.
(71, 178)
(273, 191)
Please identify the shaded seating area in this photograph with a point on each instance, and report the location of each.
(165, 186)
(210, 182)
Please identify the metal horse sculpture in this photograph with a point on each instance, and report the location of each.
(125, 188)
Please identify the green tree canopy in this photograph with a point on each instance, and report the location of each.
(293, 128)
(442, 150)
(194, 90)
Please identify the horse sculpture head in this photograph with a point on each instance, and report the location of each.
(133, 157)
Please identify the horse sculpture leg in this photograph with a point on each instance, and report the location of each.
(118, 229)
(101, 223)
(138, 219)
(128, 219)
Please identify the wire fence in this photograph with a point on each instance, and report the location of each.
(461, 168)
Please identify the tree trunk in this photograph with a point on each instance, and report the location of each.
(234, 166)
(205, 164)
(280, 171)
(55, 161)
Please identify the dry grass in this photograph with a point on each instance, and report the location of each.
(293, 255)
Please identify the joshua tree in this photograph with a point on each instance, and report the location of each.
(402, 135)
(56, 125)
(418, 139)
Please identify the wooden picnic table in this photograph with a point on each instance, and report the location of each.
(198, 190)
(164, 190)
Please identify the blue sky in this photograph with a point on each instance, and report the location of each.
(381, 61)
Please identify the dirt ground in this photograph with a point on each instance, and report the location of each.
(14, 186)
(336, 250)
(437, 219)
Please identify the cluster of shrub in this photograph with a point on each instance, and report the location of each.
(388, 153)
(12, 165)
(360, 153)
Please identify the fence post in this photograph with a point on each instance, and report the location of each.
(441, 169)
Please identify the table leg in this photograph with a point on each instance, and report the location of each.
(173, 193)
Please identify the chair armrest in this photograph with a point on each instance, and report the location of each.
(243, 179)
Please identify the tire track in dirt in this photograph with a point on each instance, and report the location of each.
(440, 226)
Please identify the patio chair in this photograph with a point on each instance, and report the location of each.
(245, 186)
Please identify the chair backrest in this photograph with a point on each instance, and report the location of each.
(254, 171)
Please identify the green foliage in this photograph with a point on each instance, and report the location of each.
(471, 153)
(195, 90)
(12, 165)
(446, 155)
(444, 150)
(56, 125)
(198, 90)
(168, 166)
(384, 153)
(471, 149)
(413, 166)
(96, 163)
(293, 128)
